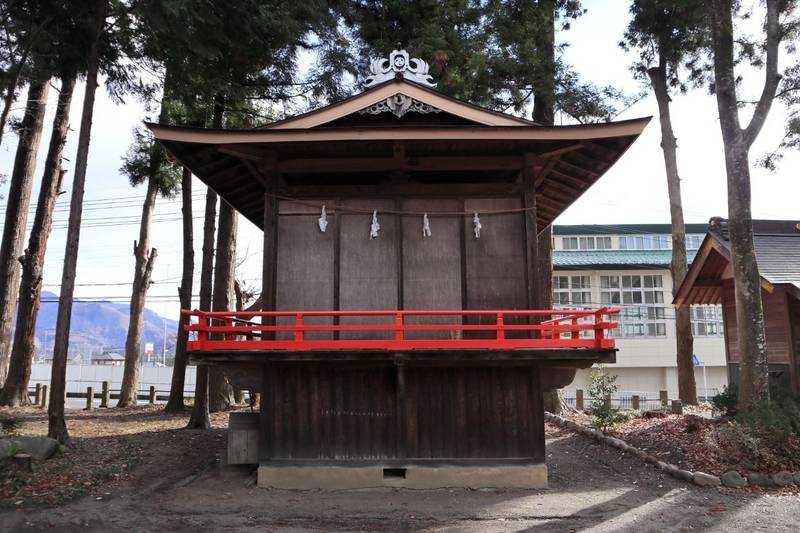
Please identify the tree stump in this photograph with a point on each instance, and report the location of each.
(635, 402)
(664, 396)
(677, 407)
(23, 461)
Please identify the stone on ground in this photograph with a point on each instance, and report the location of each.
(782, 478)
(705, 480)
(761, 480)
(732, 478)
(40, 448)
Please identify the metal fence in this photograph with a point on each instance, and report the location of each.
(648, 400)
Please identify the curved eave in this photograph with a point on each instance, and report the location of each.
(455, 133)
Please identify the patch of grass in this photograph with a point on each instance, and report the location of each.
(10, 424)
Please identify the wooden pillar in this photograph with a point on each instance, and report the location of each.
(677, 407)
(265, 422)
(38, 396)
(579, 400)
(635, 402)
(152, 395)
(400, 406)
(270, 257)
(43, 404)
(664, 396)
(106, 396)
(535, 300)
(89, 398)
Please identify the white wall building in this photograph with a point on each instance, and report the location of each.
(627, 266)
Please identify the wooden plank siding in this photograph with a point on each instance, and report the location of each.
(775, 313)
(341, 413)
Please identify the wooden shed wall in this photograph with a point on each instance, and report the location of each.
(344, 269)
(775, 317)
(341, 413)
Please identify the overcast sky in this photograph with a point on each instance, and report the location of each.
(633, 191)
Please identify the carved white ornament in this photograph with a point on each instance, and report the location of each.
(399, 104)
(476, 226)
(413, 69)
(426, 226)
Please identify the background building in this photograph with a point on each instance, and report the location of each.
(628, 266)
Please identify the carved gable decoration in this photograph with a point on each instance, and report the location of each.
(399, 104)
(411, 68)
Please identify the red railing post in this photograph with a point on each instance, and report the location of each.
(599, 334)
(202, 334)
(575, 332)
(399, 330)
(298, 328)
(501, 330)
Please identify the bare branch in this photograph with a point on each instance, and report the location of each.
(772, 78)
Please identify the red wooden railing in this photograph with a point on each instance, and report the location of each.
(239, 330)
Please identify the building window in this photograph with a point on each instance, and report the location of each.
(603, 243)
(693, 241)
(645, 242)
(706, 320)
(571, 291)
(586, 243)
(569, 243)
(642, 302)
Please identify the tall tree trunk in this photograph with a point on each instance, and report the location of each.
(15, 391)
(199, 418)
(544, 109)
(175, 401)
(57, 427)
(684, 342)
(220, 392)
(145, 260)
(19, 199)
(753, 365)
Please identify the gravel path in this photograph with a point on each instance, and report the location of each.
(592, 488)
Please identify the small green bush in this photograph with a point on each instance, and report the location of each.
(601, 387)
(724, 403)
(774, 415)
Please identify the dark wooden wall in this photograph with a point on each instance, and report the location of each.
(344, 269)
(341, 413)
(775, 324)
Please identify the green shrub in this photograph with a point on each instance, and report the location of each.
(774, 415)
(724, 403)
(601, 387)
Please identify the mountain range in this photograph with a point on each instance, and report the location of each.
(101, 326)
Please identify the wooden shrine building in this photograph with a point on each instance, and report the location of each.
(710, 281)
(402, 339)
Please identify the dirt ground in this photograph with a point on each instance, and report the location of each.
(176, 483)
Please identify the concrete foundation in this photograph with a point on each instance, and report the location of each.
(413, 477)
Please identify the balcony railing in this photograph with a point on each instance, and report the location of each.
(400, 330)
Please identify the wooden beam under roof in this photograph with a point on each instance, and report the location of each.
(409, 164)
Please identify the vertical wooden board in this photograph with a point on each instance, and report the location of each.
(411, 414)
(461, 417)
(305, 269)
(432, 265)
(368, 278)
(474, 413)
(537, 414)
(495, 263)
(314, 405)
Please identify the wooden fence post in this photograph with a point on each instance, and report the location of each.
(677, 407)
(89, 398)
(664, 398)
(106, 397)
(635, 402)
(44, 397)
(579, 399)
(152, 395)
(38, 394)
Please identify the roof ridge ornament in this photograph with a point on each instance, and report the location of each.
(411, 68)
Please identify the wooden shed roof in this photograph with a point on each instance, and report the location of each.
(777, 246)
(344, 146)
